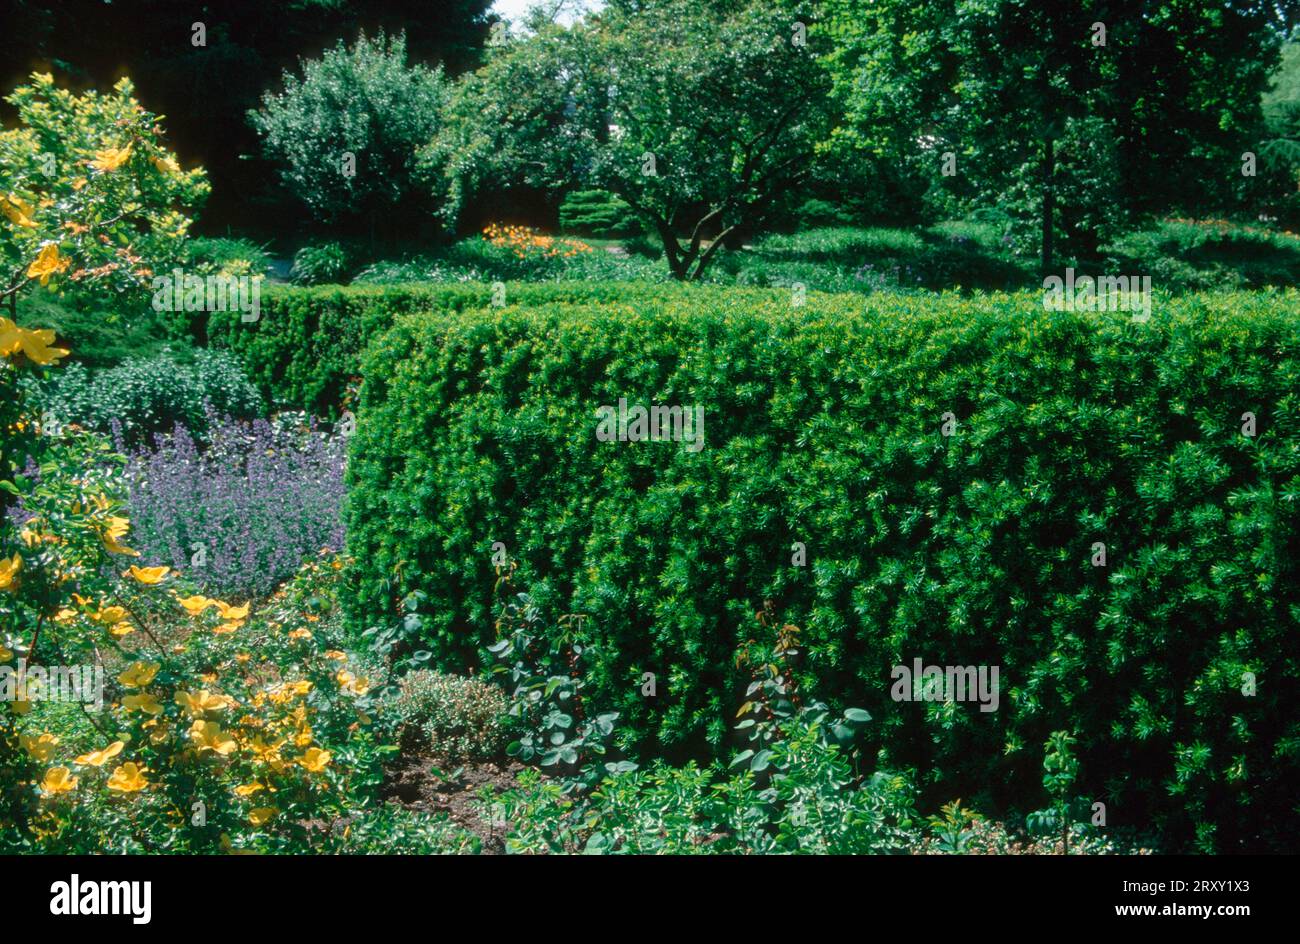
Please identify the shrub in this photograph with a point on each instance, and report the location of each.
(91, 197)
(241, 514)
(221, 728)
(227, 256)
(458, 716)
(541, 668)
(800, 792)
(1211, 254)
(363, 101)
(824, 436)
(395, 830)
(98, 328)
(321, 263)
(306, 348)
(598, 213)
(150, 395)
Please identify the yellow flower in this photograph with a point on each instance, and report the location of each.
(9, 570)
(196, 604)
(229, 612)
(262, 815)
(110, 614)
(112, 158)
(18, 211)
(58, 780)
(336, 655)
(147, 575)
(350, 683)
(202, 702)
(142, 702)
(227, 628)
(101, 757)
(315, 760)
(300, 634)
(267, 753)
(34, 344)
(167, 165)
(229, 848)
(248, 789)
(129, 778)
(47, 263)
(41, 748)
(209, 737)
(139, 674)
(117, 528)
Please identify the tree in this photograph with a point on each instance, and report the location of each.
(347, 132)
(1147, 104)
(696, 117)
(206, 84)
(90, 196)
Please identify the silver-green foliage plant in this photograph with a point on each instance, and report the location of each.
(345, 133)
(460, 717)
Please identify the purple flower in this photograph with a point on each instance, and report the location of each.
(243, 513)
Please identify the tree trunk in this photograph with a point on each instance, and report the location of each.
(672, 250)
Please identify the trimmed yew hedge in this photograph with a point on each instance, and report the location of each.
(823, 426)
(305, 348)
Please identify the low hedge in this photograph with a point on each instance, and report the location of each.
(824, 425)
(305, 347)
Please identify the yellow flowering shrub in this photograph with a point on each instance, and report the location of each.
(220, 725)
(90, 195)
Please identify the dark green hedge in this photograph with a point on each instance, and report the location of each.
(305, 347)
(823, 426)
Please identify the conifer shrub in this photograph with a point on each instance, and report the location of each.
(305, 347)
(906, 479)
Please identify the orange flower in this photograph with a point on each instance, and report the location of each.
(9, 571)
(315, 760)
